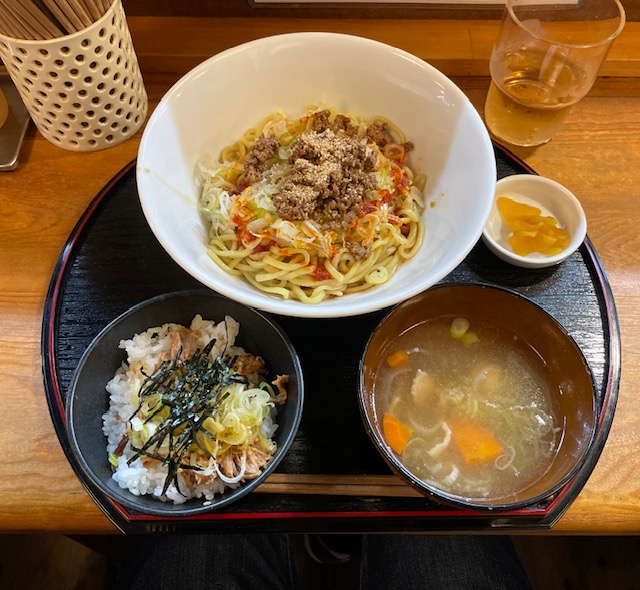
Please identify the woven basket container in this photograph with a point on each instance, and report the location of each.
(84, 91)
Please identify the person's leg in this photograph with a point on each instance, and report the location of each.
(208, 561)
(441, 562)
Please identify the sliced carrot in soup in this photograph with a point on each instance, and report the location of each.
(475, 442)
(397, 359)
(396, 433)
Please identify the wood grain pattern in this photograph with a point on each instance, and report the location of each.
(596, 154)
(468, 10)
(454, 47)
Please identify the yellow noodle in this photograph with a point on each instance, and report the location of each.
(292, 272)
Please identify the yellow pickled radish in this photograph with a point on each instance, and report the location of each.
(530, 230)
(511, 210)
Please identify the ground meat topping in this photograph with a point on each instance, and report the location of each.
(358, 251)
(330, 174)
(321, 122)
(248, 364)
(379, 134)
(257, 160)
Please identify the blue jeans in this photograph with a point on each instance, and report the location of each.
(265, 562)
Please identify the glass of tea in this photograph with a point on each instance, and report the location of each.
(545, 60)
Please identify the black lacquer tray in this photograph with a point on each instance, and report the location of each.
(112, 261)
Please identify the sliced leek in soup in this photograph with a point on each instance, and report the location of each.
(466, 408)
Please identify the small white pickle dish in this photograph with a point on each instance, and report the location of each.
(552, 199)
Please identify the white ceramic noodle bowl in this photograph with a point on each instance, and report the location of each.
(214, 104)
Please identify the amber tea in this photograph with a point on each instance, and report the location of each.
(543, 63)
(525, 105)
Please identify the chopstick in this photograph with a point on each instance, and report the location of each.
(8, 27)
(341, 485)
(48, 19)
(68, 12)
(95, 11)
(60, 16)
(17, 22)
(78, 8)
(37, 19)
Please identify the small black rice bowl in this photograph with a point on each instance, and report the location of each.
(88, 400)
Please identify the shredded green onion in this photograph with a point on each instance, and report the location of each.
(459, 327)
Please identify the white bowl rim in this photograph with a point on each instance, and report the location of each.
(353, 306)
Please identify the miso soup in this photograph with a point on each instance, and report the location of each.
(466, 408)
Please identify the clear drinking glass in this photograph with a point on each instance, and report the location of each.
(545, 60)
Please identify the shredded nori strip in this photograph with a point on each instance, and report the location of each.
(193, 390)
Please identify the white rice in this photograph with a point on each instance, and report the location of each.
(144, 351)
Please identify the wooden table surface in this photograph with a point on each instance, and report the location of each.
(596, 155)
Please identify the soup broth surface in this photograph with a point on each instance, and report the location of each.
(466, 408)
